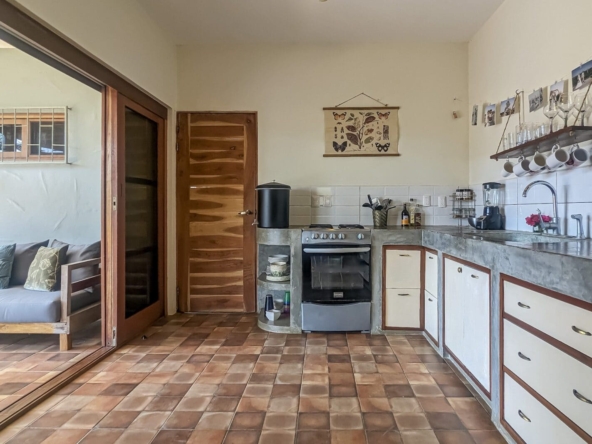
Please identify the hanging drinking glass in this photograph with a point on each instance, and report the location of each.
(550, 111)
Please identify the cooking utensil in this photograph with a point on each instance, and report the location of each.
(366, 205)
(370, 200)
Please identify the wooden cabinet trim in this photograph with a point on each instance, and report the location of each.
(457, 361)
(385, 248)
(429, 250)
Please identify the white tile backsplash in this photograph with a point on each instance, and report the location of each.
(347, 191)
(346, 200)
(397, 191)
(297, 200)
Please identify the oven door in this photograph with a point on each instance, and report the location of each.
(336, 274)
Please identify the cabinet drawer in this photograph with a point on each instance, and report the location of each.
(533, 421)
(431, 273)
(431, 315)
(402, 308)
(551, 316)
(551, 373)
(403, 268)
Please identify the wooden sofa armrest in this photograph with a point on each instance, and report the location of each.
(68, 287)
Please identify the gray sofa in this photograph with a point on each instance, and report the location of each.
(74, 306)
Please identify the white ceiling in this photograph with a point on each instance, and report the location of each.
(312, 21)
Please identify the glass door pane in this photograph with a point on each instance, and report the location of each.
(141, 213)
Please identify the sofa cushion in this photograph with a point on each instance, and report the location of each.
(23, 257)
(45, 270)
(18, 304)
(77, 253)
(6, 260)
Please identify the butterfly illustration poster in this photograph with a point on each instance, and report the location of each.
(361, 132)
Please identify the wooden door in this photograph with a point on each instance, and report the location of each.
(216, 179)
(136, 192)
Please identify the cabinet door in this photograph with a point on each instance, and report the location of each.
(431, 273)
(476, 325)
(431, 315)
(402, 308)
(403, 269)
(453, 309)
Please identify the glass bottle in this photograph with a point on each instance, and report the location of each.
(287, 302)
(405, 216)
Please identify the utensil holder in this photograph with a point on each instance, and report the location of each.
(379, 218)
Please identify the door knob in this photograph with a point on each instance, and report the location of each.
(245, 213)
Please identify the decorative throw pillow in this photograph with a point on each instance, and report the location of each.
(44, 273)
(23, 257)
(6, 259)
(77, 253)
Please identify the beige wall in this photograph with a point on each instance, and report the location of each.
(526, 44)
(122, 35)
(288, 85)
(60, 201)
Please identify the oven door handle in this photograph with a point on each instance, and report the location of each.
(337, 250)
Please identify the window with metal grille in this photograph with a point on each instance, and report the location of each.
(34, 135)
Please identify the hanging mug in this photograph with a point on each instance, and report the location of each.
(507, 168)
(577, 156)
(557, 158)
(522, 167)
(538, 162)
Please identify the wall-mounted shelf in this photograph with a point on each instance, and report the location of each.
(564, 137)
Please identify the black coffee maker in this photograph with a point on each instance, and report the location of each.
(492, 218)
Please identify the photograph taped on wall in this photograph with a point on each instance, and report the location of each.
(490, 114)
(361, 132)
(475, 115)
(536, 100)
(582, 76)
(556, 90)
(509, 106)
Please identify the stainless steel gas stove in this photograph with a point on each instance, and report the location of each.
(337, 291)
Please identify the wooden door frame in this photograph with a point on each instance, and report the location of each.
(250, 182)
(116, 196)
(30, 35)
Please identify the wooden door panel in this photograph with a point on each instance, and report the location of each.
(217, 175)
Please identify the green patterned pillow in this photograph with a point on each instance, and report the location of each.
(6, 259)
(44, 272)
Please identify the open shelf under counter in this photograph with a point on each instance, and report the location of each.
(273, 285)
(563, 137)
(282, 325)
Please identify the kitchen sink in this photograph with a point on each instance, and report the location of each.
(516, 237)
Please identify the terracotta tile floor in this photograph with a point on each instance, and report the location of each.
(219, 379)
(27, 361)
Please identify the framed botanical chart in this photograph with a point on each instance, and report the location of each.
(361, 131)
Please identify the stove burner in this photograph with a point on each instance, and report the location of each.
(351, 226)
(321, 226)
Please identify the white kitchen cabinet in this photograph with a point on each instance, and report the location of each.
(467, 319)
(531, 420)
(431, 273)
(431, 315)
(403, 307)
(403, 268)
(402, 295)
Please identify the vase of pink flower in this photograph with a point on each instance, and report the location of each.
(534, 220)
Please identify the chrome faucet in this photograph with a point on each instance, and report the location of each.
(580, 226)
(554, 224)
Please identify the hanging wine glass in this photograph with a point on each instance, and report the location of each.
(580, 105)
(565, 104)
(551, 112)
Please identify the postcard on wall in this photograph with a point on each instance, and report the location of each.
(581, 77)
(490, 114)
(556, 90)
(509, 106)
(475, 115)
(536, 100)
(361, 132)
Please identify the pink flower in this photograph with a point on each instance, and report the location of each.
(533, 220)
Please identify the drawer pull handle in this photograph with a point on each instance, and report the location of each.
(404, 255)
(474, 276)
(431, 300)
(526, 358)
(430, 257)
(404, 294)
(521, 305)
(459, 270)
(580, 331)
(581, 397)
(523, 416)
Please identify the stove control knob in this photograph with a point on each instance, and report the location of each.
(315, 236)
(332, 236)
(323, 236)
(360, 236)
(341, 236)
